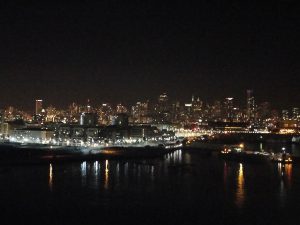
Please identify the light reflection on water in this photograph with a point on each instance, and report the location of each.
(83, 173)
(225, 175)
(50, 177)
(240, 192)
(176, 187)
(288, 173)
(285, 175)
(99, 174)
(120, 175)
(106, 177)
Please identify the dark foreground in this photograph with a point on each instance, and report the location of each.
(180, 188)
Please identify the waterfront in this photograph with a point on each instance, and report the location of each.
(181, 188)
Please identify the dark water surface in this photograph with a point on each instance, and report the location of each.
(181, 188)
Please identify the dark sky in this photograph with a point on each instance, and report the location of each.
(124, 52)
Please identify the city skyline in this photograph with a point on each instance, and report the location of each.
(238, 101)
(162, 111)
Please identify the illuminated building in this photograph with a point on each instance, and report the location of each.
(51, 114)
(296, 114)
(285, 114)
(88, 107)
(250, 106)
(88, 119)
(216, 111)
(7, 128)
(121, 109)
(9, 113)
(38, 106)
(32, 135)
(105, 114)
(196, 109)
(228, 109)
(237, 115)
(121, 119)
(73, 112)
(139, 112)
(162, 109)
(163, 103)
(163, 98)
(175, 111)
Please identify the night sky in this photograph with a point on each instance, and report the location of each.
(125, 52)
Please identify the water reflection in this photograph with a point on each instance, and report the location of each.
(83, 173)
(106, 177)
(105, 174)
(288, 174)
(187, 158)
(285, 174)
(50, 177)
(96, 172)
(295, 150)
(174, 157)
(240, 192)
(96, 168)
(282, 193)
(261, 147)
(279, 169)
(225, 170)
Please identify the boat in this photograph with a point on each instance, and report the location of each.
(238, 153)
(281, 157)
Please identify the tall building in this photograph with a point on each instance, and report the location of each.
(38, 106)
(296, 114)
(250, 106)
(139, 112)
(216, 111)
(121, 109)
(121, 119)
(163, 98)
(228, 109)
(88, 119)
(264, 111)
(105, 114)
(162, 109)
(51, 113)
(285, 114)
(196, 108)
(88, 106)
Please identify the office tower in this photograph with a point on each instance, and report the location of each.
(121, 109)
(216, 111)
(38, 106)
(197, 107)
(250, 106)
(228, 109)
(88, 119)
(296, 114)
(88, 106)
(162, 109)
(139, 112)
(285, 114)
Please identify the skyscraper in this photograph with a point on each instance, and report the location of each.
(38, 106)
(250, 105)
(296, 114)
(228, 109)
(285, 114)
(162, 110)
